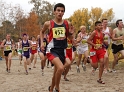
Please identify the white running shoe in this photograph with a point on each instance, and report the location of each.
(78, 70)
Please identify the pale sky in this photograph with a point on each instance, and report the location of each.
(72, 5)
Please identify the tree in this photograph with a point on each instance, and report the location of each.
(20, 26)
(4, 14)
(9, 13)
(80, 17)
(109, 14)
(43, 9)
(9, 29)
(95, 15)
(17, 13)
(31, 26)
(88, 18)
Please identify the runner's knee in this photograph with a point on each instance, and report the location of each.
(61, 69)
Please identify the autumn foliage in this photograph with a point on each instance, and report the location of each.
(15, 21)
(88, 18)
(31, 26)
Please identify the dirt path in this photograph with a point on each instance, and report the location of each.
(79, 82)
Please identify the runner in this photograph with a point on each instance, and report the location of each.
(42, 53)
(19, 49)
(25, 43)
(33, 51)
(8, 45)
(82, 48)
(97, 51)
(117, 45)
(107, 40)
(58, 30)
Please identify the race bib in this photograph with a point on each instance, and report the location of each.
(84, 41)
(99, 45)
(44, 44)
(119, 42)
(106, 38)
(33, 48)
(58, 32)
(69, 46)
(25, 49)
(8, 47)
(92, 53)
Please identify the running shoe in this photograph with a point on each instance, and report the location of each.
(66, 79)
(78, 70)
(56, 90)
(84, 67)
(49, 88)
(26, 72)
(114, 71)
(52, 67)
(42, 73)
(8, 70)
(109, 71)
(93, 71)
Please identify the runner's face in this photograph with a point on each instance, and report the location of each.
(99, 26)
(8, 37)
(59, 12)
(105, 23)
(25, 37)
(83, 30)
(33, 39)
(120, 24)
(19, 40)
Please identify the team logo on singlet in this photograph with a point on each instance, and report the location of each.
(98, 43)
(58, 32)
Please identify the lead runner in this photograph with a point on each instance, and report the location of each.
(58, 32)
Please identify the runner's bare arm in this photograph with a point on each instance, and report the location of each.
(74, 42)
(45, 27)
(110, 32)
(36, 43)
(20, 44)
(2, 44)
(30, 44)
(91, 38)
(13, 45)
(71, 28)
(78, 38)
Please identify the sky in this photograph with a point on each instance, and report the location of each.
(73, 5)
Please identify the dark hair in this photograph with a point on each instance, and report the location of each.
(78, 31)
(24, 34)
(97, 22)
(32, 37)
(59, 5)
(104, 19)
(117, 22)
(20, 38)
